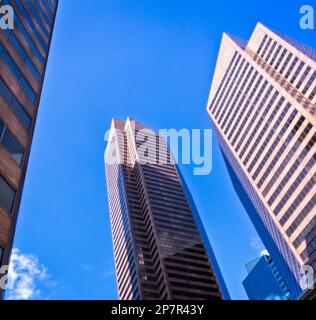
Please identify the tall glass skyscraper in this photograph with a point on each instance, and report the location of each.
(264, 282)
(159, 249)
(23, 57)
(262, 105)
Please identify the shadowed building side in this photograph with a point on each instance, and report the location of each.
(159, 252)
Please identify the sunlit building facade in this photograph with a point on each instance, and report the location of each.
(263, 108)
(23, 56)
(159, 248)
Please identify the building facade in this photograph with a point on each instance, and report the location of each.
(309, 295)
(262, 106)
(23, 57)
(158, 245)
(264, 282)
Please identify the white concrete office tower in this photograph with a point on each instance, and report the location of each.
(262, 105)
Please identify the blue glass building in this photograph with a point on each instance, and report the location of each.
(264, 281)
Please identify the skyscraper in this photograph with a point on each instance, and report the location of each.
(159, 249)
(264, 282)
(23, 57)
(262, 105)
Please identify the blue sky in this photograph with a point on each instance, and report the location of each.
(152, 60)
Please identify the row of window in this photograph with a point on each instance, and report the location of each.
(231, 89)
(280, 152)
(274, 144)
(51, 3)
(37, 33)
(239, 75)
(32, 8)
(17, 45)
(303, 215)
(259, 120)
(305, 212)
(305, 234)
(243, 117)
(268, 138)
(279, 172)
(264, 52)
(294, 185)
(9, 98)
(216, 102)
(222, 82)
(5, 56)
(43, 12)
(241, 97)
(252, 113)
(18, 24)
(219, 110)
(48, 10)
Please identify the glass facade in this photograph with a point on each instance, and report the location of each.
(264, 281)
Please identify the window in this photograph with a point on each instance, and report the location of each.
(8, 97)
(21, 114)
(37, 17)
(1, 255)
(10, 143)
(27, 89)
(44, 14)
(32, 25)
(23, 54)
(5, 93)
(17, 73)
(30, 41)
(7, 195)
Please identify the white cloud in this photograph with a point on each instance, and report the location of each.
(258, 246)
(26, 274)
(108, 274)
(264, 252)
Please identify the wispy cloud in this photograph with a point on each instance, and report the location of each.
(258, 246)
(108, 274)
(26, 274)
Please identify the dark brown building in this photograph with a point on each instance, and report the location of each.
(23, 57)
(159, 250)
(309, 295)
